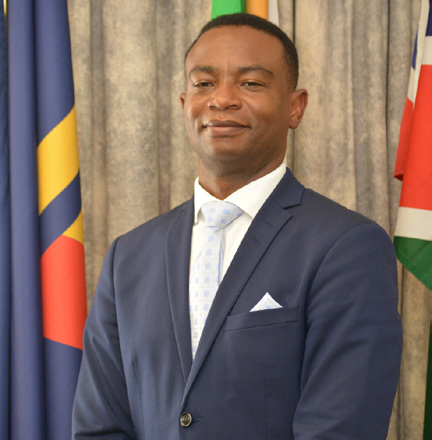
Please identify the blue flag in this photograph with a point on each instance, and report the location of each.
(47, 300)
(5, 237)
(27, 411)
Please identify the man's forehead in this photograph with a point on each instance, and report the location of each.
(240, 32)
(241, 40)
(230, 28)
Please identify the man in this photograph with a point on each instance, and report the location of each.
(302, 339)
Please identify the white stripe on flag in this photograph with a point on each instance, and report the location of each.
(426, 59)
(427, 53)
(412, 86)
(421, 33)
(414, 223)
(421, 38)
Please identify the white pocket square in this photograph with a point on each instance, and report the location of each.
(266, 303)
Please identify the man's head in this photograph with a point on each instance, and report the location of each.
(241, 19)
(240, 101)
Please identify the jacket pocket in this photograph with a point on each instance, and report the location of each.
(260, 318)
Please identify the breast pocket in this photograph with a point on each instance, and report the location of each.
(261, 318)
(260, 356)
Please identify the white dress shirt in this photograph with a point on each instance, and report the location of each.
(250, 198)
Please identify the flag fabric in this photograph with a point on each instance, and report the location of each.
(5, 238)
(413, 234)
(267, 9)
(257, 7)
(48, 301)
(223, 7)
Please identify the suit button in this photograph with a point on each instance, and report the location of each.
(185, 419)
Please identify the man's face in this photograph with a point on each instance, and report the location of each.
(239, 103)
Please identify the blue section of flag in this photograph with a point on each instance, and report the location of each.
(5, 238)
(62, 371)
(414, 57)
(429, 25)
(53, 65)
(27, 403)
(60, 214)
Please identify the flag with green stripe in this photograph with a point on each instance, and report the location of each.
(413, 234)
(223, 7)
(267, 9)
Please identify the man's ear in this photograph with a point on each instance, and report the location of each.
(182, 99)
(299, 99)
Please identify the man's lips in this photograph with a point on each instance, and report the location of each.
(224, 126)
(223, 123)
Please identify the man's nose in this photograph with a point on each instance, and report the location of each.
(225, 96)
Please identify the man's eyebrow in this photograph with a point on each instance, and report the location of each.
(205, 69)
(244, 69)
(247, 69)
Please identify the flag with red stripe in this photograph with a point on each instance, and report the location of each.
(413, 234)
(48, 300)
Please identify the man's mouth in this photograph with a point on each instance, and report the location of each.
(223, 127)
(223, 123)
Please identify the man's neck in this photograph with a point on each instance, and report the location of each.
(222, 186)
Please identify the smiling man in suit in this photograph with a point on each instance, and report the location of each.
(270, 315)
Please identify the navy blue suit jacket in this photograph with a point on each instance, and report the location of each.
(324, 366)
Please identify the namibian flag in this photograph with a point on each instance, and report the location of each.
(413, 234)
(267, 9)
(47, 281)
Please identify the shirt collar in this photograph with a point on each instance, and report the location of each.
(249, 198)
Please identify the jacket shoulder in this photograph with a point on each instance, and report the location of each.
(329, 211)
(156, 228)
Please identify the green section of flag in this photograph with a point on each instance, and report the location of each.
(427, 433)
(223, 7)
(416, 256)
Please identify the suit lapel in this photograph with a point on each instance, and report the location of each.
(178, 244)
(263, 230)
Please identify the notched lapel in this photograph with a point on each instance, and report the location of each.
(178, 245)
(268, 222)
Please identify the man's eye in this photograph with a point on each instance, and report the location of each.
(202, 84)
(252, 84)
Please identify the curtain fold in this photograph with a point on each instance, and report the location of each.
(136, 161)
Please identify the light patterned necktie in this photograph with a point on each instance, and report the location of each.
(206, 271)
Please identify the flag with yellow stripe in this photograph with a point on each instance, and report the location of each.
(267, 9)
(48, 298)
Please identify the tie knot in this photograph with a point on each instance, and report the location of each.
(220, 214)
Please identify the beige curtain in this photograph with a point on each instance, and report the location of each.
(136, 161)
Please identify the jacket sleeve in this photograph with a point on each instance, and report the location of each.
(353, 343)
(101, 407)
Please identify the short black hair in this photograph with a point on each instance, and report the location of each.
(255, 22)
